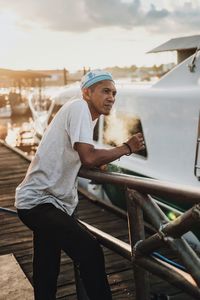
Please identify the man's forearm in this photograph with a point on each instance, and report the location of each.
(100, 157)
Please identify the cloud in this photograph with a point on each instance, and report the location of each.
(85, 15)
(188, 16)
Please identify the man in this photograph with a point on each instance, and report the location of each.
(47, 197)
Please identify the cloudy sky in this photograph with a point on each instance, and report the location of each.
(45, 34)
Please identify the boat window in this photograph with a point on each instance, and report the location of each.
(119, 127)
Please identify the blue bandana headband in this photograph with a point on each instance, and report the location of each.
(93, 77)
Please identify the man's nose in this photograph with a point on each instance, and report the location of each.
(112, 98)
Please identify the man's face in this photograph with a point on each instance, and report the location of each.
(101, 98)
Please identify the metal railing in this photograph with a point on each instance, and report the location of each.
(169, 233)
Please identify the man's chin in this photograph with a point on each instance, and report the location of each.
(107, 112)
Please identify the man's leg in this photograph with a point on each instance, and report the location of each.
(85, 250)
(46, 257)
(76, 241)
(46, 266)
(91, 263)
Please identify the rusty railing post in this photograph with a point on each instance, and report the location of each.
(170, 230)
(136, 234)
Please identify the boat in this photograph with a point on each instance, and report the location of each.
(18, 102)
(20, 108)
(44, 106)
(41, 109)
(5, 111)
(5, 108)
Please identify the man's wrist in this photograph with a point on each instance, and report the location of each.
(128, 148)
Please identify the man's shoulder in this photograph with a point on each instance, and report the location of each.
(75, 104)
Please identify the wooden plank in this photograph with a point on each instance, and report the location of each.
(13, 283)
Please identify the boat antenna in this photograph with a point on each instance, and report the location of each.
(192, 65)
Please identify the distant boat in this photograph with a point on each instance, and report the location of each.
(64, 94)
(20, 108)
(5, 108)
(44, 107)
(19, 103)
(5, 111)
(41, 109)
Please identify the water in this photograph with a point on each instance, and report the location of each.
(18, 131)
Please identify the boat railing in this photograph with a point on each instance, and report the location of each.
(141, 249)
(41, 109)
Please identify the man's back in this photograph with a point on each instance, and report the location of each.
(51, 177)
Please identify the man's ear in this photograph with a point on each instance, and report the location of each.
(86, 93)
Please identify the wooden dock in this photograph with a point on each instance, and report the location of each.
(17, 239)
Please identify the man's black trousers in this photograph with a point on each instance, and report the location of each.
(54, 230)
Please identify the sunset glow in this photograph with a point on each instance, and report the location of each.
(51, 35)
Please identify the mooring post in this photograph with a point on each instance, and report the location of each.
(136, 234)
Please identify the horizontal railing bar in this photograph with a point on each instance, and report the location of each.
(8, 210)
(110, 242)
(180, 193)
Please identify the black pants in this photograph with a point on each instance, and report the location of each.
(54, 230)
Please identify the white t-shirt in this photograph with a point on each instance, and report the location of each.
(52, 175)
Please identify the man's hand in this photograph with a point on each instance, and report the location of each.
(136, 142)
